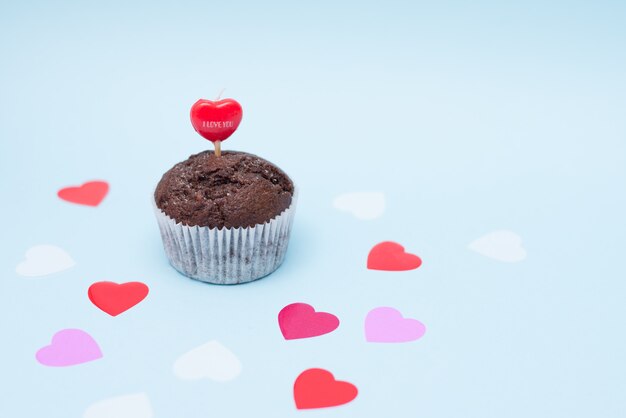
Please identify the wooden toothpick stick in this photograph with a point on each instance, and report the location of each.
(218, 148)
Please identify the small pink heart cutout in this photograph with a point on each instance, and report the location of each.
(68, 348)
(387, 325)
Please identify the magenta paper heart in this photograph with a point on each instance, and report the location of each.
(300, 320)
(69, 347)
(386, 325)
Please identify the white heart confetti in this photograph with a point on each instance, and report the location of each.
(502, 245)
(208, 361)
(42, 260)
(362, 205)
(126, 406)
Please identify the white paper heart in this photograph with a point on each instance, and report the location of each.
(502, 245)
(362, 205)
(42, 260)
(208, 361)
(126, 406)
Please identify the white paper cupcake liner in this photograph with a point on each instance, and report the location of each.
(226, 255)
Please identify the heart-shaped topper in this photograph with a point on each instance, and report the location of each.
(216, 120)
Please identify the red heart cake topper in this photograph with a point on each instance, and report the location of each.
(216, 120)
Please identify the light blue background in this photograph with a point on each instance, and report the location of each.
(470, 116)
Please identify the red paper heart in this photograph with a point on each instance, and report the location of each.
(90, 193)
(216, 120)
(300, 320)
(114, 298)
(317, 388)
(390, 256)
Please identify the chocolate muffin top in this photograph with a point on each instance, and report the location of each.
(234, 190)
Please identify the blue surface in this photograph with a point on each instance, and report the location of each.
(469, 117)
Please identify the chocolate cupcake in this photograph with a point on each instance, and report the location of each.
(225, 219)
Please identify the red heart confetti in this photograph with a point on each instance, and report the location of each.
(114, 298)
(317, 388)
(89, 194)
(390, 256)
(216, 120)
(299, 320)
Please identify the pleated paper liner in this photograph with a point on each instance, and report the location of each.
(227, 255)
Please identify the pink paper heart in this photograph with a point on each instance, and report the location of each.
(387, 325)
(68, 348)
(299, 320)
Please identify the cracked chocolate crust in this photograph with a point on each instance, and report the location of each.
(235, 190)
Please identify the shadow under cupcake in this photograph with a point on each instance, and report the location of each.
(226, 219)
